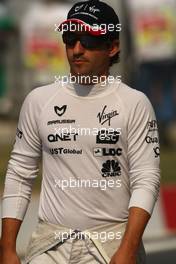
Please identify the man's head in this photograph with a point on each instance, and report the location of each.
(91, 35)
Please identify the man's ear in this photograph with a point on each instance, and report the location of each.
(114, 48)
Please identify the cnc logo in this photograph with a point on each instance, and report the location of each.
(111, 168)
(106, 117)
(107, 137)
(60, 110)
(62, 137)
(19, 133)
(99, 152)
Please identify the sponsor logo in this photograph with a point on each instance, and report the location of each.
(19, 133)
(77, 8)
(152, 125)
(86, 10)
(57, 151)
(99, 152)
(60, 110)
(62, 137)
(111, 168)
(107, 137)
(85, 7)
(151, 139)
(64, 121)
(106, 117)
(157, 152)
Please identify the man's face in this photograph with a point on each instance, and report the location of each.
(85, 60)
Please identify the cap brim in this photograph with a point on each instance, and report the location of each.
(93, 30)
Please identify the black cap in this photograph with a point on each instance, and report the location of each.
(96, 17)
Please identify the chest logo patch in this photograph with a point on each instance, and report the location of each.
(104, 117)
(60, 110)
(111, 168)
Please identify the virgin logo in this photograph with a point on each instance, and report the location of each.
(93, 9)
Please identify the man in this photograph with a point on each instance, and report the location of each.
(104, 182)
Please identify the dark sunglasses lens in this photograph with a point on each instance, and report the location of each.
(87, 41)
(69, 39)
(92, 42)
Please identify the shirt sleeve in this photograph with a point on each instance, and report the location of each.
(143, 155)
(23, 164)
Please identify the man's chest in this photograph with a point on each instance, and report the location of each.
(96, 125)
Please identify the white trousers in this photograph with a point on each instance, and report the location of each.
(73, 251)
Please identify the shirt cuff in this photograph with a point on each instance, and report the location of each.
(14, 207)
(143, 199)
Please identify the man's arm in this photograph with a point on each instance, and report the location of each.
(127, 252)
(21, 172)
(10, 229)
(144, 177)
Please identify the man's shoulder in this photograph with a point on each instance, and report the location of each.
(36, 99)
(44, 91)
(42, 94)
(126, 90)
(130, 96)
(134, 102)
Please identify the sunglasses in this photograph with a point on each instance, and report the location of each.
(87, 41)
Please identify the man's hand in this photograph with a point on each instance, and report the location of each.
(10, 228)
(128, 250)
(9, 257)
(123, 257)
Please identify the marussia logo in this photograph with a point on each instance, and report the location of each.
(60, 110)
(111, 168)
(106, 117)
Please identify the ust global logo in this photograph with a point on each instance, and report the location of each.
(57, 151)
(107, 137)
(60, 110)
(105, 117)
(99, 152)
(111, 168)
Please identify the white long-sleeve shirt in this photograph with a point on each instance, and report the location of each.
(100, 154)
